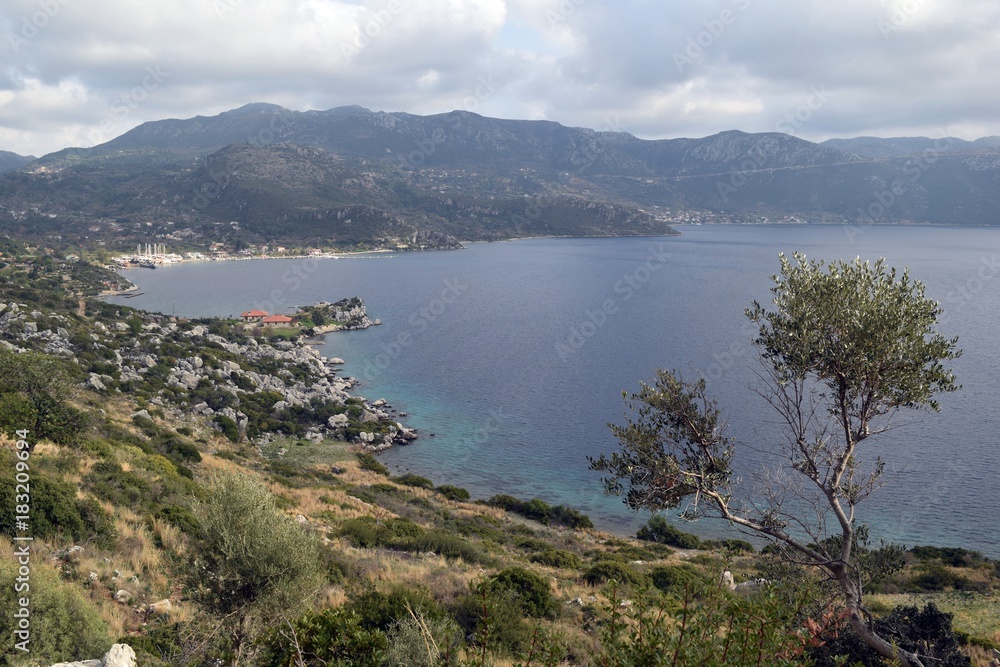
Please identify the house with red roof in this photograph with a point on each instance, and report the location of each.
(277, 321)
(253, 315)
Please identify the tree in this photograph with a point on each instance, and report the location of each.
(33, 392)
(255, 561)
(843, 351)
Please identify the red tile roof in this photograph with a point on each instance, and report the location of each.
(254, 313)
(277, 319)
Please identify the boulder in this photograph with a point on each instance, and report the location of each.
(31, 327)
(159, 608)
(123, 596)
(94, 382)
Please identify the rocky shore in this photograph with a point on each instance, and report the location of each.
(213, 371)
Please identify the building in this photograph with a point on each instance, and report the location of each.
(253, 315)
(277, 321)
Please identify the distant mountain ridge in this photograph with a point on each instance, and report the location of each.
(11, 161)
(351, 175)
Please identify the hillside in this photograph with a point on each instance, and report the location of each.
(11, 161)
(350, 177)
(203, 493)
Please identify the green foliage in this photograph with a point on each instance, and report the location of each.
(676, 579)
(253, 558)
(557, 558)
(368, 462)
(604, 571)
(404, 535)
(331, 637)
(456, 493)
(493, 619)
(953, 556)
(33, 389)
(658, 529)
(532, 592)
(380, 611)
(538, 510)
(229, 428)
(55, 509)
(409, 479)
(704, 626)
(108, 481)
(64, 626)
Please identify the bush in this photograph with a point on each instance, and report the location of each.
(557, 558)
(380, 611)
(604, 571)
(658, 529)
(253, 558)
(456, 493)
(370, 463)
(64, 625)
(675, 579)
(540, 511)
(55, 509)
(530, 589)
(409, 479)
(494, 618)
(329, 637)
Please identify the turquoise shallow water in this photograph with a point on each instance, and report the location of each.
(515, 355)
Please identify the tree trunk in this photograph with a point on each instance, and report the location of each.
(859, 623)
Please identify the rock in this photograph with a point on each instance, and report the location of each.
(336, 421)
(94, 382)
(149, 361)
(367, 416)
(189, 380)
(123, 596)
(336, 361)
(31, 327)
(728, 581)
(119, 655)
(301, 519)
(577, 601)
(159, 608)
(141, 413)
(92, 576)
(380, 403)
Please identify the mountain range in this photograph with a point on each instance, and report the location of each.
(351, 176)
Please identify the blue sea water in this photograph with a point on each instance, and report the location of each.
(515, 355)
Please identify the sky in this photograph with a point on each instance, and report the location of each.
(81, 72)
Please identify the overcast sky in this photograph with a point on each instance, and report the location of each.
(80, 72)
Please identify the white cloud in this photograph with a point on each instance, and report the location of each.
(661, 69)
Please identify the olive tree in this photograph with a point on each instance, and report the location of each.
(846, 347)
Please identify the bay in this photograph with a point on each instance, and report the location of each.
(514, 355)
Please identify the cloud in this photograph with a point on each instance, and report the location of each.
(77, 71)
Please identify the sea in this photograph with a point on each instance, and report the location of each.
(511, 358)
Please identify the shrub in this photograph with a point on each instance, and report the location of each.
(328, 637)
(370, 463)
(540, 511)
(380, 611)
(409, 479)
(557, 558)
(608, 570)
(658, 529)
(64, 625)
(675, 579)
(108, 481)
(456, 493)
(530, 589)
(55, 509)
(253, 560)
(494, 618)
